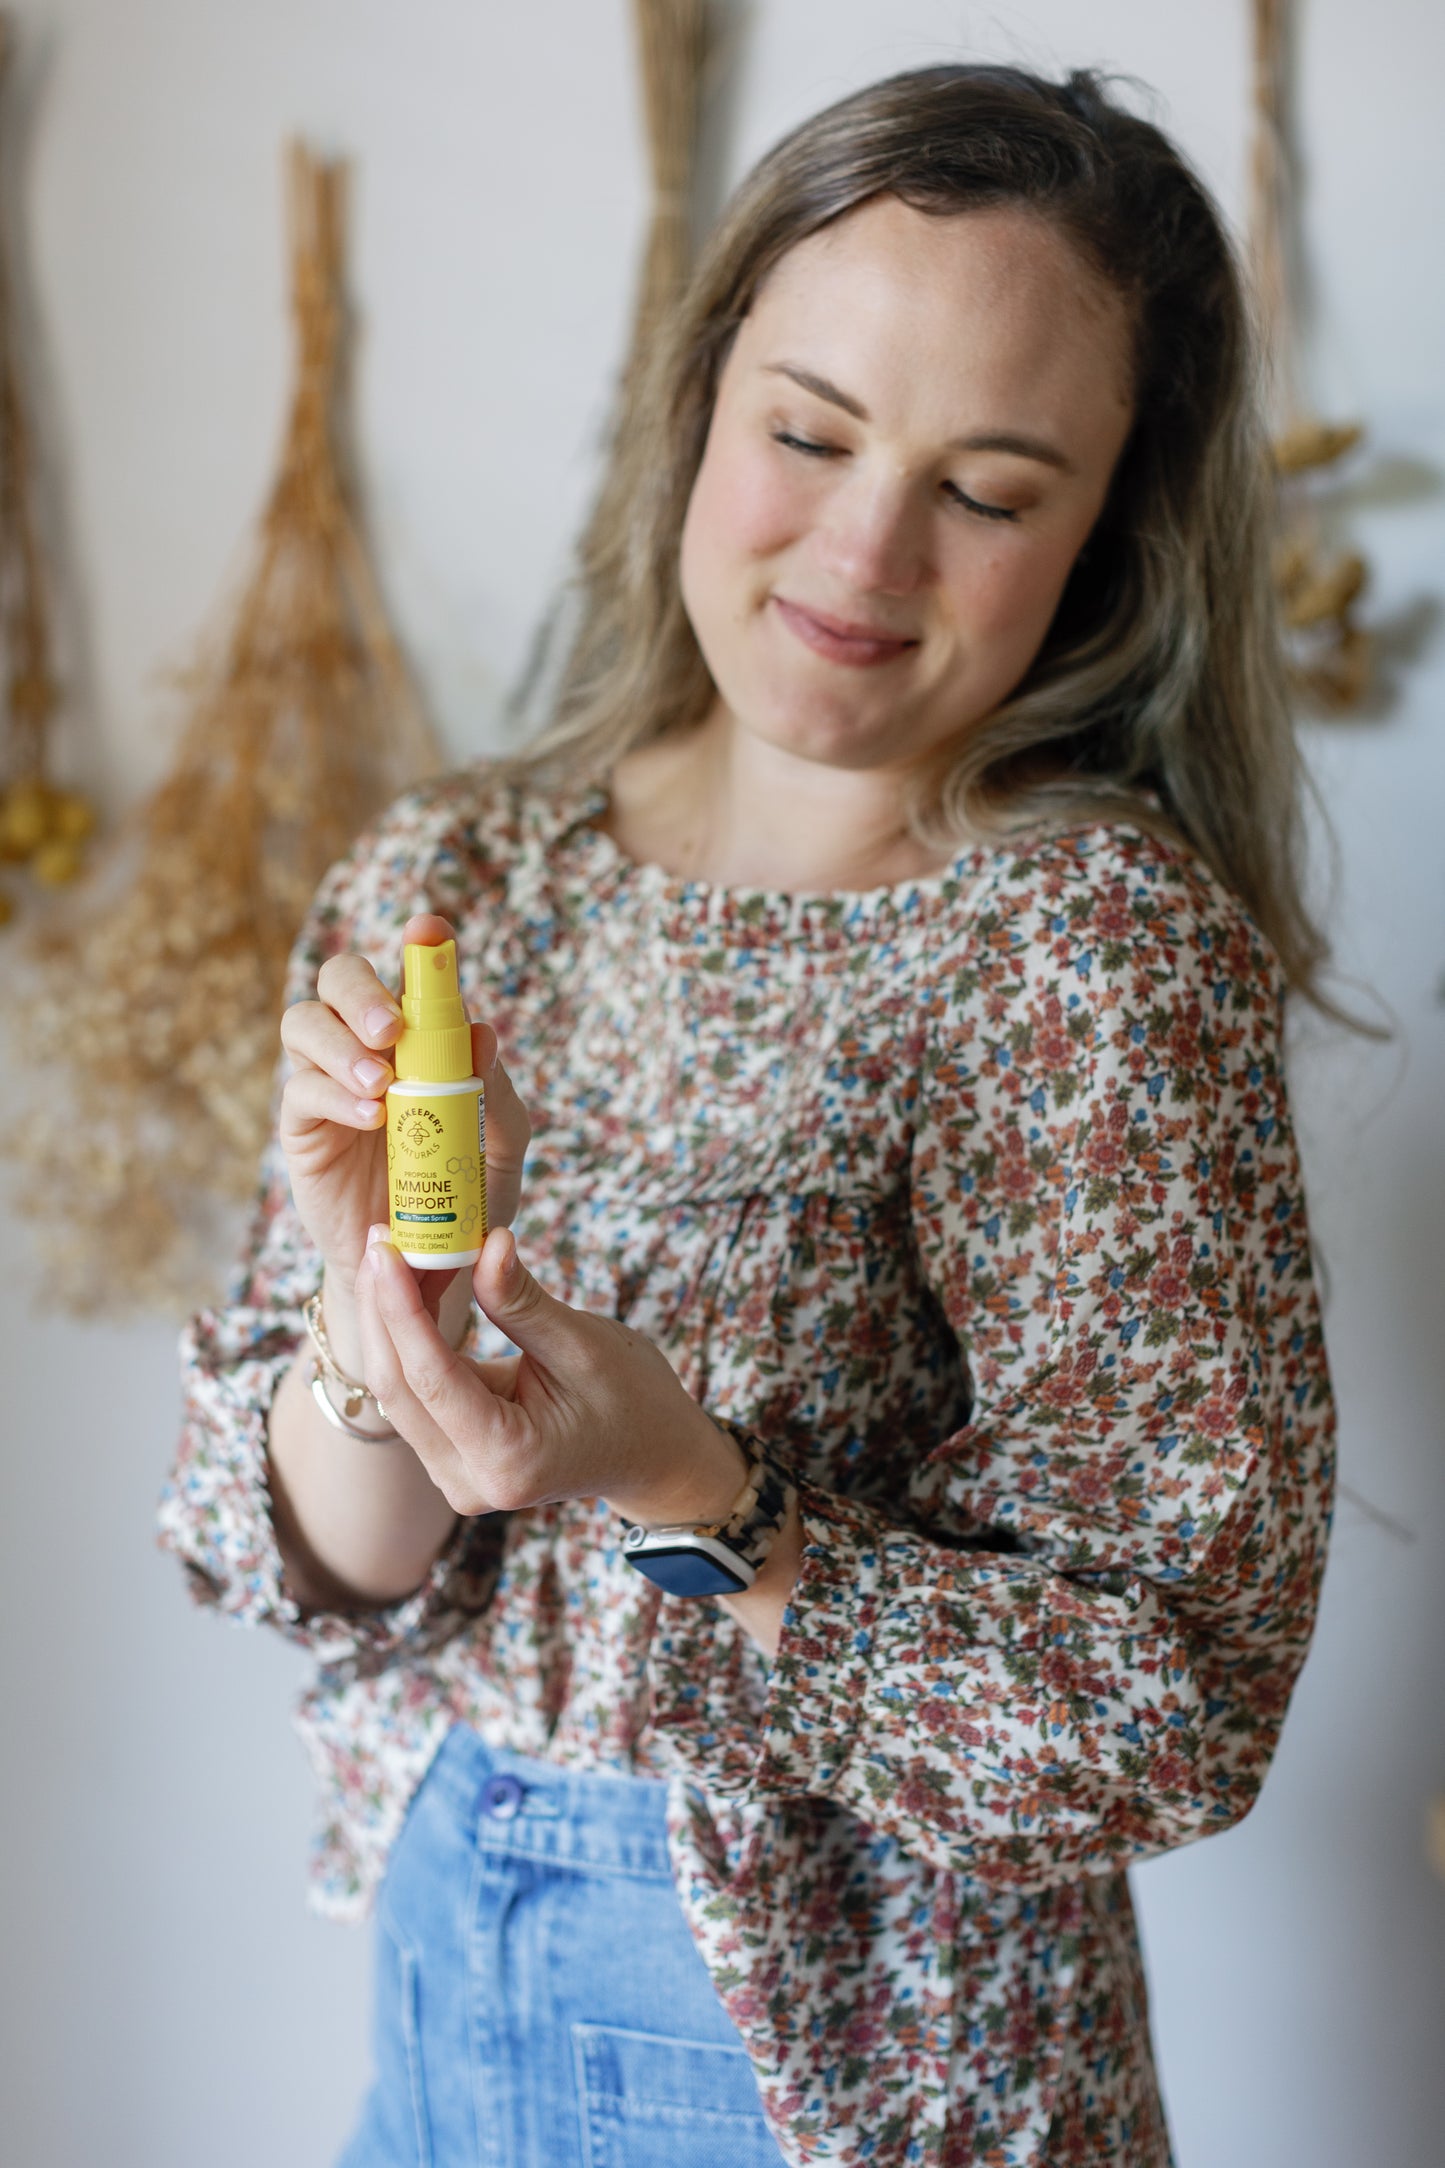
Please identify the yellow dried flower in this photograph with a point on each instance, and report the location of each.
(24, 819)
(1314, 444)
(1325, 592)
(72, 817)
(56, 862)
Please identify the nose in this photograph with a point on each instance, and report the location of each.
(874, 537)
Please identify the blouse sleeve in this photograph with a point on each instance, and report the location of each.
(1072, 1641)
(215, 1509)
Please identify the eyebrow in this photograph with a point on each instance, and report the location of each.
(985, 440)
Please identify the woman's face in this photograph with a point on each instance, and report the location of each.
(913, 435)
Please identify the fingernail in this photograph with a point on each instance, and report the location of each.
(369, 1074)
(368, 1109)
(380, 1019)
(374, 1235)
(511, 1261)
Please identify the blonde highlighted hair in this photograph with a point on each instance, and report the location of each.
(1162, 672)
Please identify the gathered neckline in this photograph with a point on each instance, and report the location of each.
(751, 910)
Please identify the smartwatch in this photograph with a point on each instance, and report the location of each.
(717, 1558)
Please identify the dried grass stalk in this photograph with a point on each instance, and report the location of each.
(676, 41)
(673, 38)
(301, 727)
(1329, 651)
(41, 826)
(1435, 1834)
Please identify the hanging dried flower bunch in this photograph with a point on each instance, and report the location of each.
(675, 44)
(300, 728)
(672, 44)
(41, 826)
(1319, 589)
(673, 40)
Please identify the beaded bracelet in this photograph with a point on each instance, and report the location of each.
(356, 1394)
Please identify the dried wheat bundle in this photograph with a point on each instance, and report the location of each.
(673, 43)
(301, 726)
(41, 826)
(672, 37)
(1435, 1834)
(1318, 590)
(676, 43)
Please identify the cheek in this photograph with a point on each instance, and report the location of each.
(741, 510)
(1008, 591)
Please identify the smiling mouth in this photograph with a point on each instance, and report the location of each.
(839, 641)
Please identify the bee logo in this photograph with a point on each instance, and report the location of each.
(417, 1134)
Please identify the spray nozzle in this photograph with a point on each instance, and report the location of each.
(435, 1046)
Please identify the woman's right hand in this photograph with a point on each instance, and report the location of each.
(333, 1107)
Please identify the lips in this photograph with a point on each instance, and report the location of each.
(840, 640)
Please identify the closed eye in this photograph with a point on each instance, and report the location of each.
(812, 450)
(803, 444)
(983, 511)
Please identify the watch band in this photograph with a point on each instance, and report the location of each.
(717, 1557)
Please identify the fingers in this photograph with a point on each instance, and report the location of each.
(533, 1320)
(499, 1374)
(431, 1286)
(509, 1129)
(315, 1035)
(348, 986)
(427, 930)
(312, 1098)
(441, 1404)
(386, 1379)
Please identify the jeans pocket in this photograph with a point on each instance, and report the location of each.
(398, 2045)
(648, 2102)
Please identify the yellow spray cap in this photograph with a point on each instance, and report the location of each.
(435, 1046)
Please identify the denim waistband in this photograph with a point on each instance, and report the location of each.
(599, 1819)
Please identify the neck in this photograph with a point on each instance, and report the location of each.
(728, 808)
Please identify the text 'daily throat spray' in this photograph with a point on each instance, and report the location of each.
(436, 1123)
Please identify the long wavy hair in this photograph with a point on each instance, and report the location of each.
(1159, 691)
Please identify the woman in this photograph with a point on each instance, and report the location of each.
(888, 941)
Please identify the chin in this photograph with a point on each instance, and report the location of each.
(830, 739)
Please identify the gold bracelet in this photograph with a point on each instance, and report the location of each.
(356, 1394)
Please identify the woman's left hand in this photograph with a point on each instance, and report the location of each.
(589, 1409)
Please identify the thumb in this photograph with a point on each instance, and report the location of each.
(506, 1292)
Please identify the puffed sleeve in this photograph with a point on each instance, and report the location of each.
(1072, 1642)
(215, 1509)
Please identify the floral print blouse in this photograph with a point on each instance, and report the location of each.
(978, 1197)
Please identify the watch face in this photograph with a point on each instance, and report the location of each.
(685, 1571)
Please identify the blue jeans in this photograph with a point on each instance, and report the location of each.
(540, 2002)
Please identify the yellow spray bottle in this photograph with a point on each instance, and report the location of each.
(436, 1123)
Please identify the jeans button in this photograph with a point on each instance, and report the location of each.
(502, 1797)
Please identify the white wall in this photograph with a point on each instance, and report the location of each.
(166, 1998)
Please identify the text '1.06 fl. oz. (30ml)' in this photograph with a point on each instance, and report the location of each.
(436, 1123)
